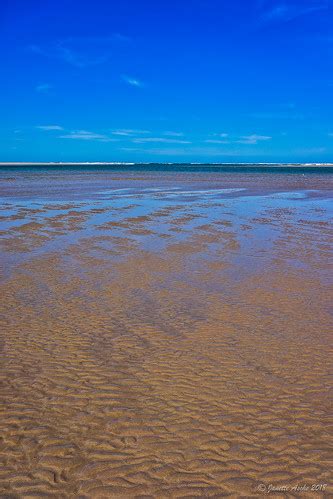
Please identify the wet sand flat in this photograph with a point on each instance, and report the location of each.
(165, 335)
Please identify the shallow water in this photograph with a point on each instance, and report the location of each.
(166, 334)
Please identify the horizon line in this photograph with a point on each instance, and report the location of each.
(133, 163)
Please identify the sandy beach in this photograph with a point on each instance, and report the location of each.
(165, 335)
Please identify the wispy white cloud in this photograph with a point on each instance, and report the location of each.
(43, 88)
(278, 115)
(309, 151)
(253, 139)
(49, 127)
(245, 139)
(80, 60)
(119, 37)
(217, 141)
(195, 151)
(81, 51)
(159, 140)
(285, 12)
(127, 132)
(140, 137)
(86, 135)
(68, 55)
(167, 151)
(133, 82)
(173, 134)
(219, 135)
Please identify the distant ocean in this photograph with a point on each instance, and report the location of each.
(317, 168)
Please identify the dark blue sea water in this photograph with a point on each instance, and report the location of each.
(177, 167)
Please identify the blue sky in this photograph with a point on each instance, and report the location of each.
(176, 80)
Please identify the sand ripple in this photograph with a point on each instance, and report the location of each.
(188, 372)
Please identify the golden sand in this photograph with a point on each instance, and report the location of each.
(130, 372)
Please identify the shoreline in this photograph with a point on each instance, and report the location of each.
(121, 163)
